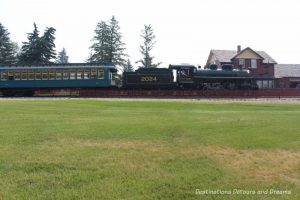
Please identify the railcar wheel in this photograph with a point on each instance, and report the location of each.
(8, 93)
(17, 93)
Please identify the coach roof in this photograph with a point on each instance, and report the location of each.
(60, 66)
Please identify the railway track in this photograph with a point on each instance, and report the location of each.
(121, 93)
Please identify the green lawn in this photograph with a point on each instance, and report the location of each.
(90, 149)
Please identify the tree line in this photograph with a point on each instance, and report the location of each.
(107, 47)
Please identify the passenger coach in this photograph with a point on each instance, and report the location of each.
(26, 79)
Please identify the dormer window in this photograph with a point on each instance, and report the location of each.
(253, 63)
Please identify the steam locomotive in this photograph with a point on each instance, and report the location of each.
(189, 77)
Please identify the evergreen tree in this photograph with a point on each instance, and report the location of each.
(149, 41)
(108, 47)
(128, 67)
(47, 46)
(116, 47)
(38, 50)
(62, 57)
(100, 48)
(8, 49)
(30, 51)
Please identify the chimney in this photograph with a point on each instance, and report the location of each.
(238, 48)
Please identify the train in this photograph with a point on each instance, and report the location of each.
(25, 80)
(189, 77)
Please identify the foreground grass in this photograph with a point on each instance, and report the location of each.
(89, 149)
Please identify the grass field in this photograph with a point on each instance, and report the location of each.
(90, 149)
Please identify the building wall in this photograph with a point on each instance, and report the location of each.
(261, 70)
(282, 83)
(288, 82)
(248, 54)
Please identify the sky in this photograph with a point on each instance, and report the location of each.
(186, 30)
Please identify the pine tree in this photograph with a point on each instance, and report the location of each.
(30, 51)
(149, 41)
(100, 48)
(8, 49)
(62, 57)
(116, 48)
(38, 50)
(128, 67)
(47, 46)
(108, 47)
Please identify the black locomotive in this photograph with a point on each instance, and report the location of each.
(189, 77)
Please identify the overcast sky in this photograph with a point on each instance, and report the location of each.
(186, 30)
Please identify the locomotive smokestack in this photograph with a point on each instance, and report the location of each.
(238, 48)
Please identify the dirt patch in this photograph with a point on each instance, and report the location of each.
(254, 165)
(115, 144)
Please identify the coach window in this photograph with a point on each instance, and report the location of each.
(87, 74)
(58, 75)
(30, 75)
(100, 74)
(79, 75)
(24, 75)
(38, 75)
(93, 74)
(72, 75)
(51, 75)
(10, 75)
(45, 75)
(3, 76)
(17, 75)
(66, 75)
